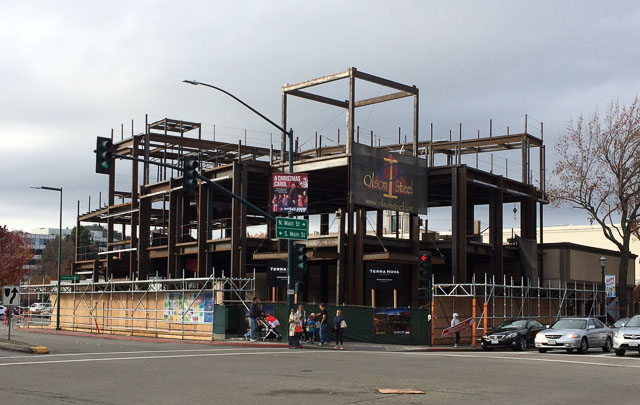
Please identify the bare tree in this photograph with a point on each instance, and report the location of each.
(599, 172)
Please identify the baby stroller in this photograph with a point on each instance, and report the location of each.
(271, 324)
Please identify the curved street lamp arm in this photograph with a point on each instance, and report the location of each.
(195, 83)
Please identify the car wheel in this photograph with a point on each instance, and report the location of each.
(607, 346)
(569, 350)
(522, 344)
(620, 352)
(584, 346)
(542, 350)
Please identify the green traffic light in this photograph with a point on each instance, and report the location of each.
(104, 155)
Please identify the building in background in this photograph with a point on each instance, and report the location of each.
(38, 239)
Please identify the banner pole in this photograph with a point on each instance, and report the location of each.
(473, 329)
(484, 323)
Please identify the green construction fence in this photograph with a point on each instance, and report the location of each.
(360, 321)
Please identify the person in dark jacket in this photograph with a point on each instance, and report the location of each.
(254, 313)
(338, 328)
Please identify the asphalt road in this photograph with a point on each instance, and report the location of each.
(91, 370)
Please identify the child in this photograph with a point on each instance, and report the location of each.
(311, 329)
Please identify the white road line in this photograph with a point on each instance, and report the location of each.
(177, 356)
(470, 356)
(143, 352)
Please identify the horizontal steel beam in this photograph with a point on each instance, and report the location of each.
(381, 99)
(314, 82)
(385, 82)
(318, 98)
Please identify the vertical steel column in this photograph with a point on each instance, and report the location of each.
(341, 262)
(134, 204)
(416, 112)
(351, 111)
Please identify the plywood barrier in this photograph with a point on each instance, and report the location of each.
(136, 313)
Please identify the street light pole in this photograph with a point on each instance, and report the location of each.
(59, 251)
(290, 156)
(603, 264)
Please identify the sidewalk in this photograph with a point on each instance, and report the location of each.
(376, 347)
(240, 342)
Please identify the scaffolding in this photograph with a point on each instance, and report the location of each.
(499, 300)
(176, 308)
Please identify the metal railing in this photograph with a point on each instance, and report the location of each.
(514, 299)
(179, 308)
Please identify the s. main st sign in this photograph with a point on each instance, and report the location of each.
(292, 228)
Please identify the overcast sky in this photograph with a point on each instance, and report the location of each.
(72, 70)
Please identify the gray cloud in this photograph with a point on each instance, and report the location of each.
(71, 71)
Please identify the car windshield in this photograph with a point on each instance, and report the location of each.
(634, 322)
(519, 324)
(570, 324)
(620, 322)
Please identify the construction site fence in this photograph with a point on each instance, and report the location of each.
(175, 308)
(493, 301)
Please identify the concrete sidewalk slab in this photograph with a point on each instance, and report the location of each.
(236, 343)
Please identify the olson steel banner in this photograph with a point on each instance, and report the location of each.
(389, 181)
(290, 192)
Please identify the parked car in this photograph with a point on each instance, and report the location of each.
(517, 334)
(575, 333)
(619, 323)
(627, 337)
(3, 311)
(41, 308)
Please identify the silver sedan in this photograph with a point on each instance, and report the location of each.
(575, 333)
(627, 337)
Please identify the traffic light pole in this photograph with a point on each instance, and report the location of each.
(290, 135)
(206, 180)
(290, 286)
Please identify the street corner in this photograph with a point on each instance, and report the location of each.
(18, 346)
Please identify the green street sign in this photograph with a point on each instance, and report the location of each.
(72, 278)
(292, 228)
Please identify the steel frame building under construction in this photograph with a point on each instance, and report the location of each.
(176, 235)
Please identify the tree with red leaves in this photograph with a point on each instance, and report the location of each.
(14, 254)
(599, 172)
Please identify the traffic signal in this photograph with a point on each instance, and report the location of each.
(189, 180)
(424, 293)
(424, 266)
(104, 155)
(300, 258)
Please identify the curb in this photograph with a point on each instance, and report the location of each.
(154, 340)
(24, 348)
(394, 349)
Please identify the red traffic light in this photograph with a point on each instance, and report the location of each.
(424, 258)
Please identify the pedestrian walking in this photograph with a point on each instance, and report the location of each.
(294, 329)
(455, 321)
(323, 325)
(339, 324)
(254, 313)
